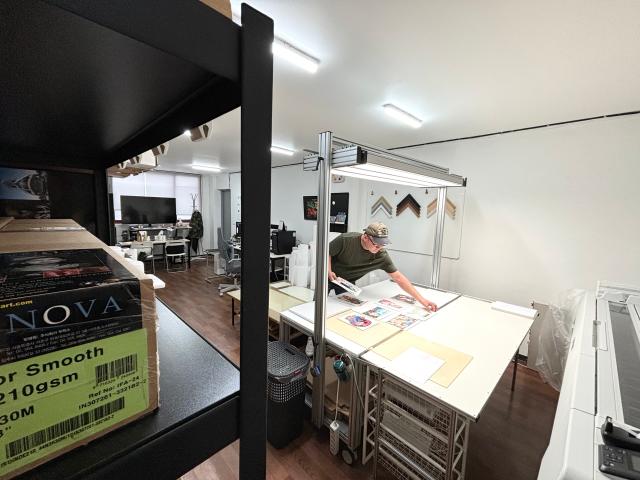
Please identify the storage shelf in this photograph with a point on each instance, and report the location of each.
(199, 394)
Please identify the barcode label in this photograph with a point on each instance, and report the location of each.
(118, 367)
(60, 429)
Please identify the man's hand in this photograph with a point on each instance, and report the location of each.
(428, 305)
(332, 276)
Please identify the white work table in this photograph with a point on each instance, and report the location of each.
(301, 317)
(487, 336)
(470, 326)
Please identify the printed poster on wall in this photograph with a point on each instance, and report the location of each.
(24, 193)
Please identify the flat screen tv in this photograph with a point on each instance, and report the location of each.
(147, 210)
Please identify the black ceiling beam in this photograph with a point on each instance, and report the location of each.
(215, 99)
(162, 28)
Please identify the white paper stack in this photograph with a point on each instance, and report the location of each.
(514, 309)
(299, 275)
(302, 257)
(312, 254)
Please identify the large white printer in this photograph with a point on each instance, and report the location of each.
(601, 382)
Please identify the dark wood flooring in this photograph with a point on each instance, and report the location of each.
(506, 444)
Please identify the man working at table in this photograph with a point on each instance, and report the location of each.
(352, 255)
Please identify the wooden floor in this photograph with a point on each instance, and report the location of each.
(506, 444)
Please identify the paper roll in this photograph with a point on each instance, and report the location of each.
(312, 279)
(299, 276)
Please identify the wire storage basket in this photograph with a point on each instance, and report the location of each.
(415, 437)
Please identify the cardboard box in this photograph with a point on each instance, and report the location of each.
(78, 350)
(38, 225)
(222, 6)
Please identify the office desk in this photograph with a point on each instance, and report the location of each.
(164, 247)
(273, 257)
(198, 415)
(278, 302)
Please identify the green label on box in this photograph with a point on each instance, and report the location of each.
(51, 401)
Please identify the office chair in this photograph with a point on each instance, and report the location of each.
(232, 265)
(147, 249)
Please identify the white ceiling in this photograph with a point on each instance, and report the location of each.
(466, 67)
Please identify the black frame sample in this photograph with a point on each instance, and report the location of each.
(88, 84)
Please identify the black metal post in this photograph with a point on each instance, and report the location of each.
(104, 222)
(256, 80)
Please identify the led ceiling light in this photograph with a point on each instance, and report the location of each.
(206, 168)
(187, 133)
(282, 150)
(293, 55)
(399, 114)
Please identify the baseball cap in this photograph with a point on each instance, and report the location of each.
(379, 233)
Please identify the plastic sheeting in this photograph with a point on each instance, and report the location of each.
(554, 339)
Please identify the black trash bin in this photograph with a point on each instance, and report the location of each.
(287, 370)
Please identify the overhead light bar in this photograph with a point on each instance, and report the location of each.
(383, 166)
(399, 114)
(356, 173)
(206, 168)
(282, 150)
(294, 55)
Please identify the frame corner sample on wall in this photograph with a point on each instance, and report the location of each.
(412, 228)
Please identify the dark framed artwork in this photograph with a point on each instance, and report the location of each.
(339, 213)
(310, 207)
(43, 193)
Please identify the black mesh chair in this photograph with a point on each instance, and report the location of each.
(232, 264)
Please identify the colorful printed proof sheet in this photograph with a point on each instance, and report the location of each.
(401, 297)
(387, 302)
(379, 312)
(357, 320)
(350, 299)
(403, 321)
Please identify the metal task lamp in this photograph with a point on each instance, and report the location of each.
(370, 163)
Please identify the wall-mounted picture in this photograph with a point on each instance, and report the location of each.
(310, 205)
(24, 193)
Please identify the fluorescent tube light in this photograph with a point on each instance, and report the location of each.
(293, 55)
(399, 114)
(206, 168)
(282, 150)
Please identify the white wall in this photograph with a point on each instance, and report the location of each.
(290, 184)
(236, 192)
(210, 209)
(546, 210)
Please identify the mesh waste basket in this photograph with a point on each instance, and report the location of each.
(287, 371)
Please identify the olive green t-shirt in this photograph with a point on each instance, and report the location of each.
(350, 261)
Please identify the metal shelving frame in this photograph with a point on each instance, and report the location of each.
(340, 153)
(89, 84)
(412, 435)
